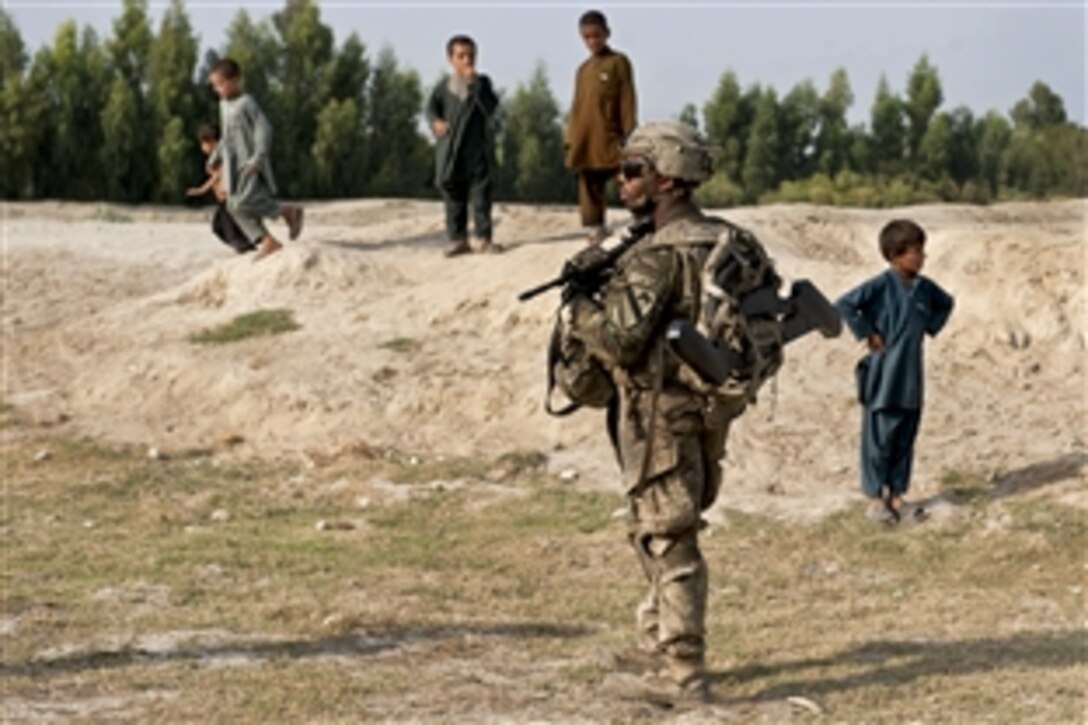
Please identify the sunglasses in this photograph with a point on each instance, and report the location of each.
(633, 168)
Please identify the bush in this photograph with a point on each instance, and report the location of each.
(718, 192)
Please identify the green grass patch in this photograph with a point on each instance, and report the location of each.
(404, 345)
(964, 486)
(112, 216)
(455, 602)
(253, 324)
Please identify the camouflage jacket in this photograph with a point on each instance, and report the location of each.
(654, 283)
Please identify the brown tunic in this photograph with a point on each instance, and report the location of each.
(602, 112)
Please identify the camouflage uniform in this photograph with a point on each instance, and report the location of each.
(670, 438)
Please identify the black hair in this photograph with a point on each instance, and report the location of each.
(208, 132)
(898, 236)
(459, 40)
(593, 17)
(226, 67)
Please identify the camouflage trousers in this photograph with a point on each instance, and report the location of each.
(676, 445)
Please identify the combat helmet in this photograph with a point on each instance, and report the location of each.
(674, 148)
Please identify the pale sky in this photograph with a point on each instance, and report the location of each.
(987, 53)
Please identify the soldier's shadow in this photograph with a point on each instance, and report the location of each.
(898, 663)
(377, 639)
(1039, 474)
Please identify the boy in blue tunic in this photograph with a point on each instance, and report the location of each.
(892, 312)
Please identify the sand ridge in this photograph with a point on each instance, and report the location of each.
(401, 347)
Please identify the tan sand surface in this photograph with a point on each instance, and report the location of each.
(403, 348)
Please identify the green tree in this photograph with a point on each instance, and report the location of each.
(69, 83)
(962, 146)
(18, 114)
(832, 139)
(689, 114)
(761, 161)
(889, 131)
(12, 51)
(398, 163)
(128, 151)
(924, 96)
(306, 54)
(727, 120)
(175, 156)
(532, 145)
(798, 120)
(125, 166)
(934, 153)
(338, 151)
(130, 46)
(1042, 108)
(349, 72)
(173, 98)
(993, 133)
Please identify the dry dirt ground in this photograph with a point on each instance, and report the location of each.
(370, 517)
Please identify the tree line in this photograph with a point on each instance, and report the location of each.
(115, 119)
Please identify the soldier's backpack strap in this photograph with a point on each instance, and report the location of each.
(554, 356)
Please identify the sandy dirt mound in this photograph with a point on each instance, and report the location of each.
(401, 347)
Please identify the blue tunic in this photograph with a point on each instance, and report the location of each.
(890, 387)
(901, 313)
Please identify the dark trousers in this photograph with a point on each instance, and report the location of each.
(471, 187)
(224, 227)
(592, 196)
(887, 449)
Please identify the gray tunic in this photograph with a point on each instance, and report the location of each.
(246, 141)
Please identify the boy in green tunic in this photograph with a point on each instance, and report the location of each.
(460, 110)
(602, 115)
(245, 155)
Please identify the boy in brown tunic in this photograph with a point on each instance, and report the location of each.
(602, 114)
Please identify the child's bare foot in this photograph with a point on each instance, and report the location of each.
(907, 510)
(482, 245)
(460, 246)
(268, 246)
(293, 216)
(882, 512)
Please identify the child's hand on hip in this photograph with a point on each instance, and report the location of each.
(876, 342)
(439, 127)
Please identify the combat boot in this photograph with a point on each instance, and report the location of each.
(688, 676)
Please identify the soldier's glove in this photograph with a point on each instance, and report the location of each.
(584, 273)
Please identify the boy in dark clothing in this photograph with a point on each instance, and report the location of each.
(460, 111)
(223, 226)
(893, 312)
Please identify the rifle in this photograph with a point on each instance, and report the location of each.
(805, 310)
(588, 277)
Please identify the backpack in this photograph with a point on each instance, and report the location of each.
(733, 275)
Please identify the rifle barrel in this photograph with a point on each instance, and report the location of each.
(540, 289)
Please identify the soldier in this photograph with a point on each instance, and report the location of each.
(670, 433)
